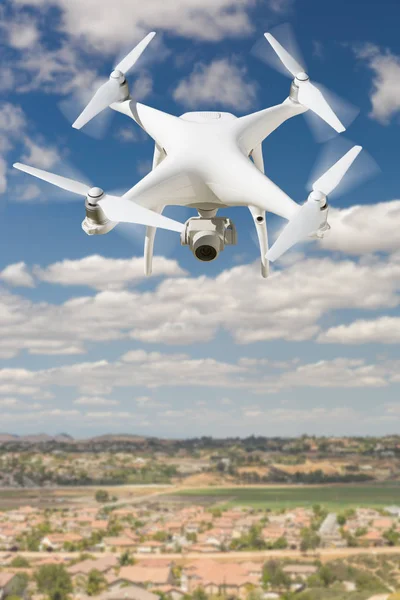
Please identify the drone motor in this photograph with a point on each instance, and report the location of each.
(95, 222)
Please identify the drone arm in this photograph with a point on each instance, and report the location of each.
(161, 126)
(252, 129)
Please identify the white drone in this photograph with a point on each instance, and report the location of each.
(208, 161)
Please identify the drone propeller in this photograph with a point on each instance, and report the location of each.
(116, 208)
(113, 90)
(327, 113)
(308, 95)
(311, 216)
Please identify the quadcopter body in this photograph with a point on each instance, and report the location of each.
(208, 161)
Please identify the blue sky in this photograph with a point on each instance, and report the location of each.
(87, 344)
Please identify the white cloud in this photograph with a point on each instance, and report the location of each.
(143, 400)
(364, 229)
(12, 125)
(40, 156)
(7, 79)
(143, 86)
(95, 401)
(17, 404)
(281, 6)
(290, 305)
(383, 330)
(156, 370)
(336, 373)
(22, 34)
(96, 21)
(13, 131)
(3, 178)
(221, 82)
(27, 193)
(385, 94)
(17, 275)
(103, 273)
(57, 71)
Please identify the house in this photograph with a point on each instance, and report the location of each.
(218, 578)
(145, 576)
(372, 538)
(131, 592)
(80, 571)
(6, 584)
(120, 544)
(174, 592)
(150, 547)
(56, 541)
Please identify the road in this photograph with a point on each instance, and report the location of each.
(324, 554)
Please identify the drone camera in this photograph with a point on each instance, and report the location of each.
(207, 237)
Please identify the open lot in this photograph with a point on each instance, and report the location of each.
(69, 497)
(332, 496)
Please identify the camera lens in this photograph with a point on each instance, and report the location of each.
(206, 253)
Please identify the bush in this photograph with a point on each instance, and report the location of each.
(54, 581)
(19, 562)
(102, 496)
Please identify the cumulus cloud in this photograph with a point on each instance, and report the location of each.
(39, 155)
(96, 22)
(364, 229)
(289, 306)
(383, 330)
(219, 82)
(162, 370)
(103, 273)
(15, 130)
(95, 401)
(385, 93)
(17, 275)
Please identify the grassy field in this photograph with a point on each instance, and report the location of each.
(332, 497)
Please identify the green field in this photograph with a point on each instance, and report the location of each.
(334, 497)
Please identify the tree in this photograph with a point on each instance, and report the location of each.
(19, 562)
(326, 575)
(273, 575)
(54, 581)
(341, 519)
(392, 537)
(96, 583)
(254, 595)
(161, 536)
(126, 559)
(309, 539)
(199, 594)
(280, 544)
(102, 496)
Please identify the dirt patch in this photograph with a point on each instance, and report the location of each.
(327, 468)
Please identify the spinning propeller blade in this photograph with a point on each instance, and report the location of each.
(117, 209)
(309, 218)
(331, 179)
(305, 222)
(112, 91)
(62, 182)
(308, 95)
